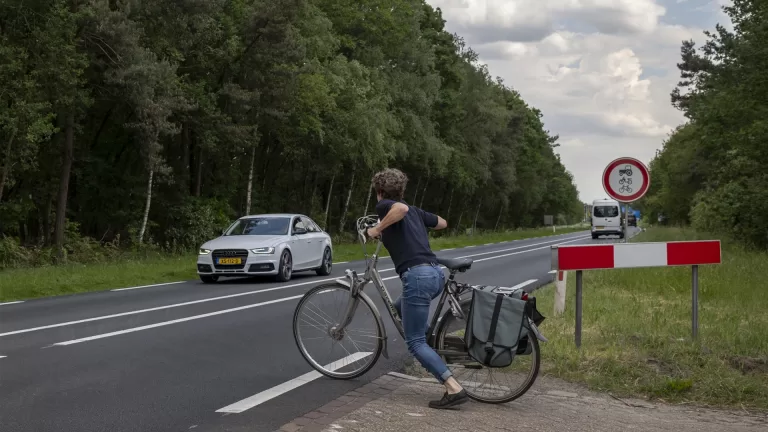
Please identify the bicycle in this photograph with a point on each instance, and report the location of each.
(449, 344)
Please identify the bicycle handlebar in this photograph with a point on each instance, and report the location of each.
(363, 224)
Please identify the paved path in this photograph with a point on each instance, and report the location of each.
(397, 404)
(167, 358)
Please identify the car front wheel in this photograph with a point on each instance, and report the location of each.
(285, 268)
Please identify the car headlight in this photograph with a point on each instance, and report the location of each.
(204, 251)
(263, 250)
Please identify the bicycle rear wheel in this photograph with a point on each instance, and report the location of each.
(483, 384)
(344, 355)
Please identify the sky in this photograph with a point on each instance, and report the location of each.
(601, 71)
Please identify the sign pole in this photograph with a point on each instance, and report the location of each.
(695, 301)
(578, 308)
(626, 224)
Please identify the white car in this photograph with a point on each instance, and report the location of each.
(606, 218)
(269, 244)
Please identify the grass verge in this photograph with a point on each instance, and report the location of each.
(636, 337)
(28, 283)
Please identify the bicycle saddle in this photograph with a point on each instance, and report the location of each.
(458, 264)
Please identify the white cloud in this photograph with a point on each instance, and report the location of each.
(600, 70)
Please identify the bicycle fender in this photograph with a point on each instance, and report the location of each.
(365, 298)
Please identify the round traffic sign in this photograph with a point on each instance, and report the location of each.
(626, 179)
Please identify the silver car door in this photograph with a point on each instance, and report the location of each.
(316, 245)
(300, 245)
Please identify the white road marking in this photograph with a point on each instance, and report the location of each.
(521, 247)
(134, 312)
(441, 250)
(343, 262)
(176, 321)
(522, 284)
(266, 395)
(10, 303)
(516, 253)
(3, 356)
(488, 244)
(147, 286)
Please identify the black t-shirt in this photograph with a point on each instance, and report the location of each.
(407, 240)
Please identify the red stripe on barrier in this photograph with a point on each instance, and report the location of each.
(585, 257)
(693, 253)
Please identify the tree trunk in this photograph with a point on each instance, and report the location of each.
(450, 202)
(501, 211)
(6, 163)
(313, 197)
(474, 224)
(47, 221)
(328, 203)
(185, 154)
(199, 179)
(458, 225)
(66, 169)
(346, 204)
(250, 182)
(424, 194)
(146, 207)
(368, 200)
(415, 195)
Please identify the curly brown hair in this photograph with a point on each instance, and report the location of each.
(390, 183)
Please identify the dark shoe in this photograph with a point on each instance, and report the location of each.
(450, 400)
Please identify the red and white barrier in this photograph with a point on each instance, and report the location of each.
(632, 255)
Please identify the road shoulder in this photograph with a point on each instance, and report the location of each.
(398, 403)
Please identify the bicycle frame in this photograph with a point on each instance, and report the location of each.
(356, 284)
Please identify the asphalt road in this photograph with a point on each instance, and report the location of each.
(166, 358)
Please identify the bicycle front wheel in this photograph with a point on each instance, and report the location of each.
(484, 384)
(337, 354)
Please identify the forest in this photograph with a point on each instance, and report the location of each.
(712, 171)
(129, 124)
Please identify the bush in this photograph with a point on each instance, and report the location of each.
(738, 209)
(193, 223)
(12, 254)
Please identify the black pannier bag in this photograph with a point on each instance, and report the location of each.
(497, 326)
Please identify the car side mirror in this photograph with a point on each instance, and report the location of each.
(299, 231)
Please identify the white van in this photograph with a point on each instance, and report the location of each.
(606, 218)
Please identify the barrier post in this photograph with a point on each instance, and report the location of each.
(578, 308)
(695, 301)
(560, 285)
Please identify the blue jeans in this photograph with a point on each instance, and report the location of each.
(421, 285)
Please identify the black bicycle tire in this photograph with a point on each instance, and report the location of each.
(376, 354)
(448, 315)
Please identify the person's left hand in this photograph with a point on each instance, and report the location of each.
(373, 232)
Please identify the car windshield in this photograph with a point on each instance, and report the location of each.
(260, 226)
(606, 211)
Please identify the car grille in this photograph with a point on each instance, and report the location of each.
(229, 253)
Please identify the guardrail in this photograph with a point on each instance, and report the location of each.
(635, 255)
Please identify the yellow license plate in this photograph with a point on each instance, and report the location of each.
(230, 261)
(599, 227)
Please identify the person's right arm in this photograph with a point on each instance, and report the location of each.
(433, 221)
(441, 223)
